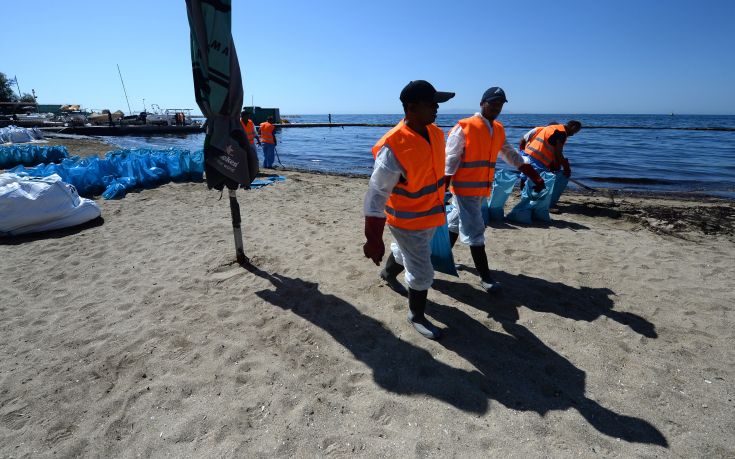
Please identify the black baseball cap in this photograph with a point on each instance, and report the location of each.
(423, 91)
(493, 94)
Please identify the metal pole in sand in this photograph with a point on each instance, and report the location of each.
(236, 230)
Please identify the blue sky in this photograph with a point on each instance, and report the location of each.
(326, 56)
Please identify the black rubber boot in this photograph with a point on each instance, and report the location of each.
(417, 306)
(453, 238)
(480, 258)
(392, 269)
(390, 273)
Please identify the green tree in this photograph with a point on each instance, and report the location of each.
(6, 90)
(27, 98)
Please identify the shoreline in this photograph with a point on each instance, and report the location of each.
(679, 214)
(572, 189)
(91, 145)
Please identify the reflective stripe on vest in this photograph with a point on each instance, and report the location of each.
(476, 172)
(481, 163)
(412, 215)
(540, 149)
(485, 184)
(266, 132)
(422, 192)
(417, 202)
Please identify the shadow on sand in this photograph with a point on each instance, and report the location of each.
(53, 234)
(516, 369)
(583, 303)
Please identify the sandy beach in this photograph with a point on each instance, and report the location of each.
(140, 336)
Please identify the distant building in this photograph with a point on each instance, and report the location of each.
(260, 114)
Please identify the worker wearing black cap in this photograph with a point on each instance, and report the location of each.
(473, 147)
(407, 189)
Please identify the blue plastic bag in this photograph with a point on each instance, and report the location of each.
(503, 184)
(560, 184)
(534, 206)
(441, 251)
(196, 165)
(115, 190)
(30, 155)
(120, 171)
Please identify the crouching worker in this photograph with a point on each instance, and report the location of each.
(543, 147)
(407, 189)
(472, 149)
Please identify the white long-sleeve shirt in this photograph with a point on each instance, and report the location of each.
(528, 135)
(386, 174)
(455, 149)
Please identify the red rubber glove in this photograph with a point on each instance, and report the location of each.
(374, 247)
(567, 169)
(533, 175)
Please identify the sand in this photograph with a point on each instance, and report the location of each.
(80, 145)
(141, 336)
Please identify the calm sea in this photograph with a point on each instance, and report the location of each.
(629, 152)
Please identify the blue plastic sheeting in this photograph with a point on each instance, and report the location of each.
(441, 251)
(534, 206)
(503, 184)
(30, 155)
(122, 170)
(265, 181)
(560, 184)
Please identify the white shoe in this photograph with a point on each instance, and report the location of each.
(491, 287)
(423, 326)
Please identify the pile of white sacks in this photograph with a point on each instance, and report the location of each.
(30, 205)
(14, 134)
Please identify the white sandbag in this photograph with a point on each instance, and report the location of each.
(29, 205)
(15, 134)
(19, 135)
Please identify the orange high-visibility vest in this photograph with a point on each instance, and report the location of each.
(476, 172)
(249, 130)
(539, 147)
(266, 132)
(418, 202)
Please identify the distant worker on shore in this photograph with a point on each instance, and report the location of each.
(330, 118)
(268, 142)
(473, 147)
(249, 127)
(407, 189)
